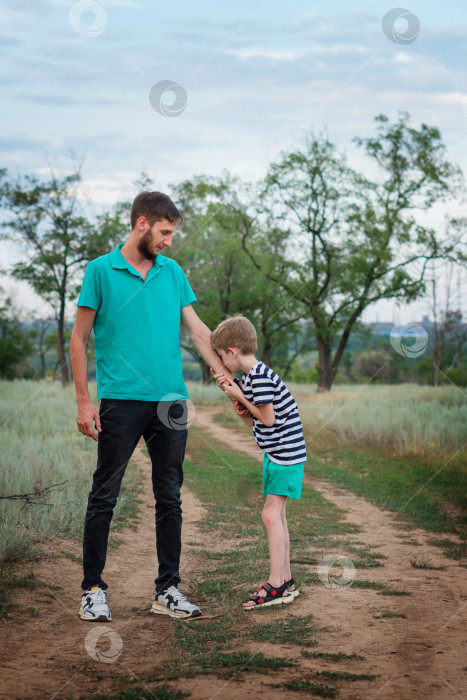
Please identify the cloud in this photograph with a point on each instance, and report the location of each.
(20, 144)
(9, 41)
(35, 7)
(63, 100)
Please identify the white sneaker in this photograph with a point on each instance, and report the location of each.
(172, 602)
(94, 605)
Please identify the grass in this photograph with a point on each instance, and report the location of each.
(237, 560)
(425, 564)
(340, 656)
(454, 550)
(162, 692)
(237, 512)
(312, 687)
(293, 630)
(41, 446)
(225, 665)
(202, 394)
(401, 447)
(10, 581)
(405, 419)
(346, 676)
(74, 557)
(200, 638)
(229, 486)
(214, 472)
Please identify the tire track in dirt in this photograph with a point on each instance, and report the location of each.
(422, 656)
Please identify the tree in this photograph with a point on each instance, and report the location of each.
(352, 240)
(44, 216)
(458, 338)
(373, 365)
(44, 341)
(447, 323)
(209, 248)
(15, 344)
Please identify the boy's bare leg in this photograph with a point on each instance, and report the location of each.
(273, 522)
(287, 571)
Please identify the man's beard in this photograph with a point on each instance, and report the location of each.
(143, 247)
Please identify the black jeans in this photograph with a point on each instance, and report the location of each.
(123, 422)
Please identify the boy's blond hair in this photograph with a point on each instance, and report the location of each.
(235, 332)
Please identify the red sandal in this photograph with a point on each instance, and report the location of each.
(295, 592)
(274, 596)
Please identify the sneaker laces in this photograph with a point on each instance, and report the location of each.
(97, 596)
(177, 595)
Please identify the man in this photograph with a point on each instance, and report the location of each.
(135, 299)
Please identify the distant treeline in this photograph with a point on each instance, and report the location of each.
(303, 253)
(368, 357)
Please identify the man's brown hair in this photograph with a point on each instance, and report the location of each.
(155, 206)
(235, 332)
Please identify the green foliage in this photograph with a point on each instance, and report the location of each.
(350, 240)
(373, 365)
(46, 217)
(209, 247)
(293, 630)
(15, 343)
(311, 687)
(302, 253)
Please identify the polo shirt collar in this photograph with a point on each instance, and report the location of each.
(118, 261)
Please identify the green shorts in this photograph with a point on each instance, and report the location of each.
(282, 479)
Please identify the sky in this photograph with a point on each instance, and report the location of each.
(93, 81)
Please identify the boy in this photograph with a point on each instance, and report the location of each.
(273, 414)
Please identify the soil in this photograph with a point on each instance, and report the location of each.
(420, 656)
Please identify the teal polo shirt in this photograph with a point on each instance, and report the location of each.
(137, 327)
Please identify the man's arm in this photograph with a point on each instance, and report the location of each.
(201, 338)
(79, 361)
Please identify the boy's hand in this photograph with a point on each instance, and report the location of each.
(240, 409)
(233, 391)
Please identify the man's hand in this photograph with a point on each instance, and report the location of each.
(86, 415)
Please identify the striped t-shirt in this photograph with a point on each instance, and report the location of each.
(283, 442)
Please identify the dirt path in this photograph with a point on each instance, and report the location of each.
(44, 656)
(422, 656)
